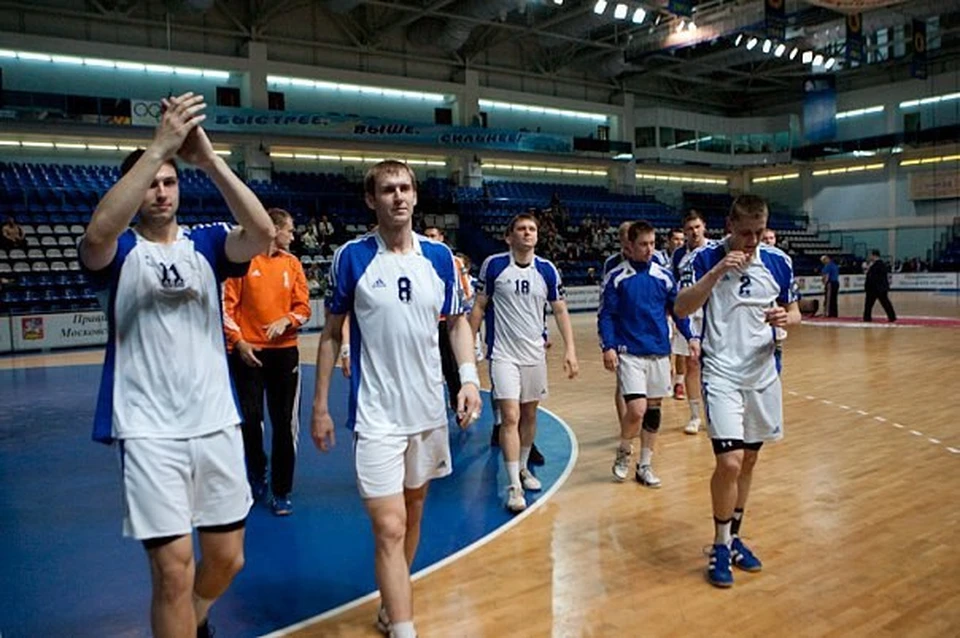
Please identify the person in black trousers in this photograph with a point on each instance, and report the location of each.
(830, 274)
(877, 287)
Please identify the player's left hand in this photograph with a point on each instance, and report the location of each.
(197, 149)
(776, 316)
(469, 405)
(277, 328)
(694, 345)
(570, 365)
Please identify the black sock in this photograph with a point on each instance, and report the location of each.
(737, 520)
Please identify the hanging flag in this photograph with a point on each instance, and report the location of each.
(819, 108)
(855, 38)
(918, 66)
(776, 18)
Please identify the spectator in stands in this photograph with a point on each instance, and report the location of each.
(877, 286)
(309, 241)
(12, 235)
(315, 282)
(325, 229)
(769, 237)
(830, 274)
(262, 312)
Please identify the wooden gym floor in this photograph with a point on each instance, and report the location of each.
(854, 514)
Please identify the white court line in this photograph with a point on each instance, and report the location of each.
(480, 542)
(880, 419)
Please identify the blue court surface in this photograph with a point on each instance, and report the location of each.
(66, 570)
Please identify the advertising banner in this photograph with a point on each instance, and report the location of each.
(343, 127)
(940, 281)
(6, 341)
(40, 332)
(144, 112)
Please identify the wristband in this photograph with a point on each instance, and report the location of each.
(345, 351)
(468, 374)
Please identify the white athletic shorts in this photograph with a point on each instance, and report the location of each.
(171, 486)
(751, 416)
(519, 383)
(649, 376)
(387, 464)
(678, 343)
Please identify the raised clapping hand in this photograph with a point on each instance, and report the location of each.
(468, 405)
(182, 116)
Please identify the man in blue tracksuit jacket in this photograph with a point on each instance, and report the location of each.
(635, 339)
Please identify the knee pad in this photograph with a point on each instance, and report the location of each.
(651, 420)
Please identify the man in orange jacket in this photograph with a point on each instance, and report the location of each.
(262, 312)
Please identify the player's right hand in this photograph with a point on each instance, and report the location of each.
(248, 354)
(610, 360)
(321, 430)
(181, 114)
(733, 260)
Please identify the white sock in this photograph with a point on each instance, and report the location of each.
(513, 471)
(677, 379)
(201, 607)
(646, 456)
(524, 456)
(626, 445)
(694, 408)
(722, 536)
(403, 630)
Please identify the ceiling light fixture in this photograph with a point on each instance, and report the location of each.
(639, 15)
(751, 43)
(600, 7)
(620, 12)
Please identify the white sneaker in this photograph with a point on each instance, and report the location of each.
(529, 481)
(621, 466)
(693, 426)
(645, 476)
(383, 621)
(515, 501)
(780, 334)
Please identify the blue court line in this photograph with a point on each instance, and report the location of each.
(67, 571)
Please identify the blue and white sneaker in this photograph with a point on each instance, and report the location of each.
(718, 571)
(743, 558)
(281, 506)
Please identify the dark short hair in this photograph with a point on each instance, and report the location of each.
(135, 156)
(383, 168)
(674, 231)
(875, 252)
(521, 216)
(691, 215)
(638, 228)
(748, 207)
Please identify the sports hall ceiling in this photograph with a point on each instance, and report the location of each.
(538, 46)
